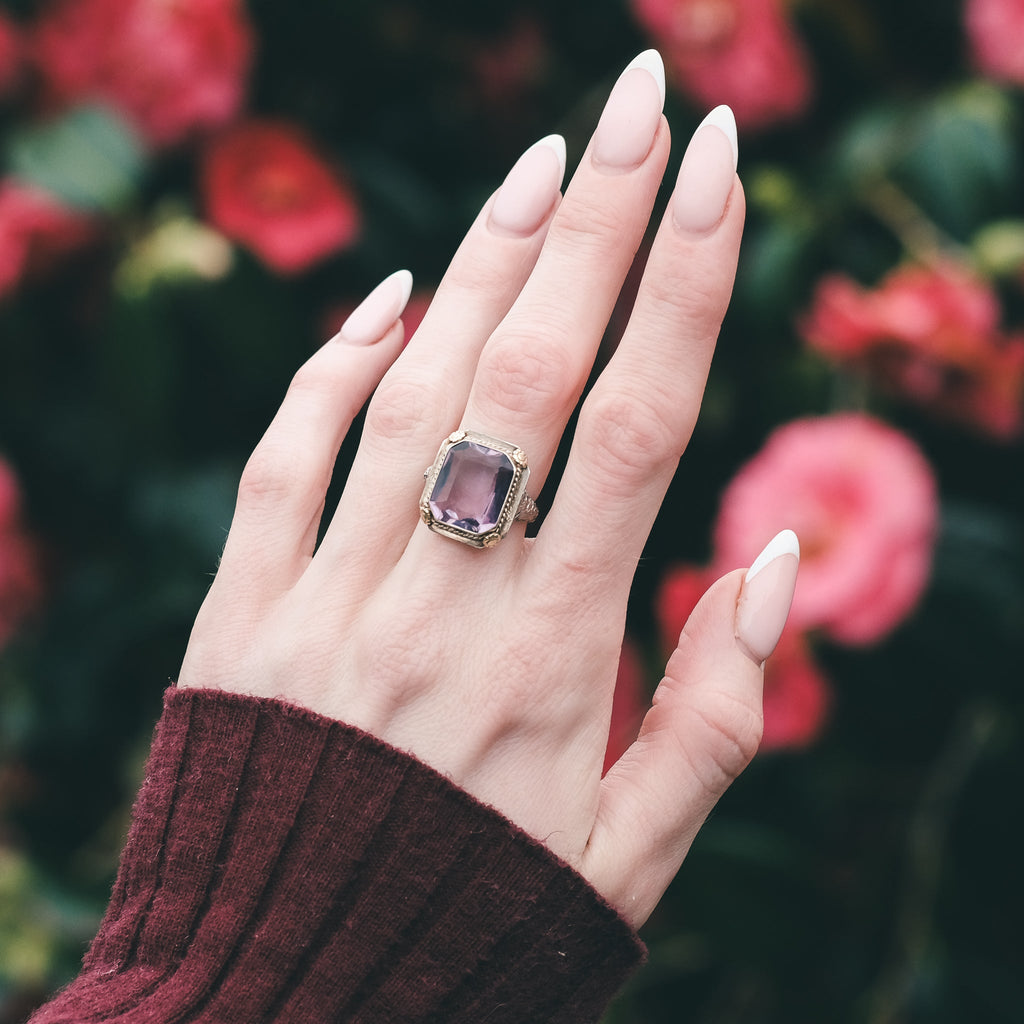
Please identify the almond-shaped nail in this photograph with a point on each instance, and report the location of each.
(630, 119)
(706, 175)
(528, 194)
(377, 313)
(766, 595)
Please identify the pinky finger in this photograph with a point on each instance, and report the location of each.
(703, 729)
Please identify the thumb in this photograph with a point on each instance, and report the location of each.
(702, 730)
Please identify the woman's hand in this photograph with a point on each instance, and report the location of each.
(497, 666)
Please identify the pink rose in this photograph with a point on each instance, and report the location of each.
(862, 499)
(681, 588)
(35, 229)
(20, 585)
(796, 695)
(930, 334)
(995, 31)
(170, 67)
(265, 186)
(740, 52)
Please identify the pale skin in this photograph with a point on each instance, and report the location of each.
(497, 667)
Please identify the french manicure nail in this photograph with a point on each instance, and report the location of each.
(632, 114)
(527, 195)
(766, 595)
(706, 175)
(377, 313)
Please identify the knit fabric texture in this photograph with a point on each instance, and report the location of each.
(284, 867)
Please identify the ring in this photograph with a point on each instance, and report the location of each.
(476, 489)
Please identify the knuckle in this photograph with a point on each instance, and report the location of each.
(321, 384)
(730, 733)
(692, 298)
(307, 379)
(592, 228)
(484, 272)
(395, 410)
(629, 436)
(276, 472)
(312, 381)
(529, 373)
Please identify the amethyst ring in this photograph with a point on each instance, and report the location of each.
(476, 489)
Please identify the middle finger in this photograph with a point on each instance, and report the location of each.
(534, 367)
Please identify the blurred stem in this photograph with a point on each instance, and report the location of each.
(927, 836)
(919, 235)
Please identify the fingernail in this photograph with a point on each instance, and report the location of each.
(632, 114)
(527, 195)
(706, 175)
(377, 313)
(766, 595)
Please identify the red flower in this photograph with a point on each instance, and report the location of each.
(20, 585)
(931, 335)
(629, 705)
(171, 66)
(681, 589)
(10, 55)
(264, 186)
(995, 31)
(740, 52)
(35, 229)
(861, 498)
(796, 695)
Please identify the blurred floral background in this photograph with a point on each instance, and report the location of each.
(192, 195)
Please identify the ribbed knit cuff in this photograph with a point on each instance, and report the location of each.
(284, 867)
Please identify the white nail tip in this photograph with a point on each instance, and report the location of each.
(784, 543)
(556, 143)
(403, 278)
(650, 60)
(724, 120)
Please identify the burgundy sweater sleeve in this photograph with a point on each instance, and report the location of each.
(283, 867)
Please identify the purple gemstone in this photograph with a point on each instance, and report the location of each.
(471, 487)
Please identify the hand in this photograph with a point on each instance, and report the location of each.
(497, 666)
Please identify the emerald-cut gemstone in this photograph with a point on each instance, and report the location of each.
(471, 487)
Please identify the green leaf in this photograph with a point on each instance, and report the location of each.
(869, 144)
(960, 164)
(89, 158)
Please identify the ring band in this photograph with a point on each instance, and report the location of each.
(476, 489)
